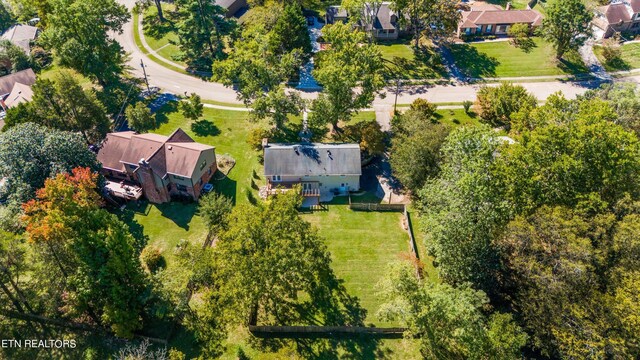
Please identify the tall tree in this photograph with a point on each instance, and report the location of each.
(140, 117)
(350, 72)
(290, 32)
(463, 209)
(92, 248)
(78, 32)
(267, 57)
(415, 148)
(63, 104)
(6, 17)
(436, 19)
(624, 98)
(495, 105)
(12, 58)
(31, 153)
(449, 321)
(192, 108)
(202, 29)
(566, 25)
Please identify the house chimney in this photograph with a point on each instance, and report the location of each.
(265, 143)
(508, 7)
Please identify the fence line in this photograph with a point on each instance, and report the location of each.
(376, 207)
(324, 331)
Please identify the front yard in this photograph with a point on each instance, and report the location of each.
(403, 62)
(501, 59)
(629, 59)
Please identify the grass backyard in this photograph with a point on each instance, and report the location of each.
(501, 59)
(629, 59)
(362, 244)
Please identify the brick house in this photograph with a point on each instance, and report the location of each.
(156, 166)
(385, 20)
(617, 17)
(490, 19)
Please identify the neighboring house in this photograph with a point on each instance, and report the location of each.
(385, 24)
(156, 166)
(232, 6)
(322, 170)
(618, 16)
(15, 89)
(489, 19)
(7, 82)
(21, 36)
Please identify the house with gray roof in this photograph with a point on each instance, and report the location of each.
(385, 20)
(487, 19)
(156, 166)
(21, 36)
(322, 170)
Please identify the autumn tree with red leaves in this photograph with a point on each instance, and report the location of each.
(91, 251)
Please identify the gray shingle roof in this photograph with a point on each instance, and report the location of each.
(312, 159)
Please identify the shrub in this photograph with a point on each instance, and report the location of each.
(467, 105)
(255, 137)
(423, 107)
(611, 50)
(152, 259)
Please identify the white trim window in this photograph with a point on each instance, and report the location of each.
(276, 178)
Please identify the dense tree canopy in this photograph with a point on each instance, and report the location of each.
(202, 30)
(6, 17)
(495, 105)
(415, 147)
(566, 25)
(463, 208)
(30, 153)
(63, 104)
(140, 118)
(78, 32)
(91, 249)
(12, 58)
(449, 321)
(350, 72)
(272, 48)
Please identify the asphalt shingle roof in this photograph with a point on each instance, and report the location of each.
(312, 159)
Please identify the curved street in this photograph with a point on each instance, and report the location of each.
(175, 82)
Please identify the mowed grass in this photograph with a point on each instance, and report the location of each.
(362, 244)
(629, 59)
(404, 63)
(501, 59)
(167, 224)
(161, 37)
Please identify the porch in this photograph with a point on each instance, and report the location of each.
(308, 188)
(123, 190)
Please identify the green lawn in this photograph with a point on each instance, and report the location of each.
(402, 62)
(501, 59)
(456, 117)
(630, 58)
(362, 244)
(161, 37)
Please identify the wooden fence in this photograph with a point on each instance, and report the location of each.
(325, 331)
(376, 207)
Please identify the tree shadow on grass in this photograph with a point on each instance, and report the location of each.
(180, 213)
(135, 228)
(153, 27)
(618, 64)
(204, 128)
(473, 63)
(571, 63)
(227, 187)
(163, 112)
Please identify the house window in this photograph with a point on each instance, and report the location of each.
(200, 182)
(169, 187)
(635, 25)
(489, 28)
(479, 30)
(204, 163)
(467, 31)
(276, 178)
(181, 187)
(209, 171)
(391, 31)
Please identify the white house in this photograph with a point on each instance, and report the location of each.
(322, 170)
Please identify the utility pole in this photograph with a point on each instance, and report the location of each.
(144, 71)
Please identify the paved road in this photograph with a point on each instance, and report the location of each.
(179, 83)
